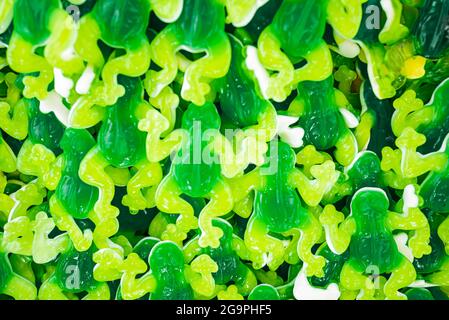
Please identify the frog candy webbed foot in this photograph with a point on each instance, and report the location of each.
(230, 293)
(18, 236)
(200, 275)
(108, 265)
(174, 233)
(405, 105)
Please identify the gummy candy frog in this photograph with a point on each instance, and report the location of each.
(278, 209)
(431, 120)
(296, 33)
(74, 274)
(228, 258)
(204, 157)
(120, 123)
(382, 74)
(374, 131)
(37, 156)
(326, 121)
(199, 29)
(434, 267)
(41, 24)
(11, 283)
(240, 100)
(433, 190)
(368, 233)
(73, 198)
(168, 279)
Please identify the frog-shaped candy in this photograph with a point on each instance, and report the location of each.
(374, 130)
(12, 284)
(279, 210)
(120, 123)
(296, 34)
(323, 114)
(122, 25)
(368, 233)
(73, 198)
(240, 100)
(433, 190)
(168, 277)
(74, 274)
(199, 29)
(434, 267)
(38, 154)
(228, 257)
(204, 157)
(431, 120)
(41, 24)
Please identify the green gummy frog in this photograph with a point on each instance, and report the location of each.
(279, 212)
(382, 72)
(199, 29)
(368, 233)
(74, 274)
(40, 24)
(168, 278)
(203, 158)
(240, 99)
(323, 115)
(433, 190)
(73, 198)
(296, 34)
(107, 162)
(11, 283)
(374, 131)
(228, 257)
(122, 25)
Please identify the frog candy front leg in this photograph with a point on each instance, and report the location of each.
(338, 229)
(132, 288)
(104, 215)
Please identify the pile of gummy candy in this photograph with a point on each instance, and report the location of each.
(224, 149)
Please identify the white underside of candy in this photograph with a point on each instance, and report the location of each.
(302, 289)
(53, 103)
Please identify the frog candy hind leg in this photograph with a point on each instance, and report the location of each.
(272, 58)
(131, 64)
(14, 122)
(220, 203)
(393, 29)
(213, 66)
(263, 248)
(82, 240)
(104, 215)
(168, 200)
(401, 277)
(319, 65)
(352, 280)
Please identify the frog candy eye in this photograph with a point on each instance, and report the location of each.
(223, 149)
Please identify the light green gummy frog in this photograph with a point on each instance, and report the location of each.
(107, 162)
(199, 29)
(368, 233)
(279, 212)
(203, 158)
(296, 34)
